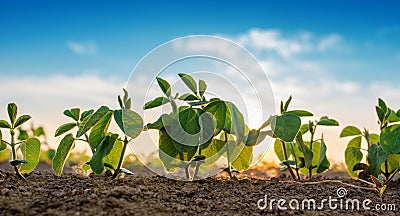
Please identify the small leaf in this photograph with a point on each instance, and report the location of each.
(64, 128)
(202, 87)
(266, 123)
(323, 163)
(99, 130)
(327, 121)
(94, 118)
(188, 97)
(86, 114)
(165, 87)
(350, 131)
(22, 119)
(23, 134)
(31, 151)
(73, 113)
(38, 132)
(243, 160)
(189, 81)
(393, 117)
(115, 154)
(300, 113)
(12, 112)
(63, 150)
(376, 157)
(4, 124)
(155, 103)
(286, 126)
(390, 139)
(218, 110)
(129, 122)
(304, 128)
(255, 137)
(164, 121)
(380, 113)
(353, 155)
(287, 103)
(198, 103)
(308, 154)
(104, 148)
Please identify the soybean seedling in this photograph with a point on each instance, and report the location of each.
(30, 148)
(92, 128)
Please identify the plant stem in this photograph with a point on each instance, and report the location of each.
(228, 155)
(311, 145)
(14, 154)
(295, 160)
(387, 174)
(197, 166)
(186, 166)
(121, 158)
(286, 158)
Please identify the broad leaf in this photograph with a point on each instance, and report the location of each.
(286, 126)
(218, 110)
(393, 117)
(93, 119)
(64, 148)
(22, 119)
(189, 81)
(300, 113)
(376, 157)
(99, 130)
(326, 121)
(243, 160)
(4, 124)
(164, 85)
(390, 139)
(350, 131)
(234, 122)
(129, 122)
(156, 102)
(305, 150)
(393, 162)
(30, 151)
(12, 112)
(202, 87)
(103, 149)
(188, 97)
(213, 151)
(115, 154)
(323, 163)
(64, 128)
(185, 133)
(86, 114)
(353, 155)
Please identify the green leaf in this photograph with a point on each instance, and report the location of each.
(266, 123)
(94, 118)
(3, 145)
(30, 151)
(165, 120)
(202, 87)
(86, 114)
(22, 119)
(103, 149)
(198, 103)
(4, 124)
(286, 126)
(390, 139)
(189, 81)
(243, 160)
(376, 157)
(374, 138)
(12, 112)
(308, 154)
(155, 103)
(380, 113)
(189, 122)
(38, 132)
(73, 113)
(353, 155)
(234, 122)
(188, 97)
(350, 131)
(304, 128)
(99, 130)
(165, 87)
(64, 148)
(115, 154)
(23, 134)
(393, 162)
(218, 110)
(213, 151)
(255, 137)
(360, 166)
(279, 150)
(393, 117)
(326, 121)
(382, 105)
(64, 128)
(323, 163)
(129, 122)
(300, 113)
(287, 103)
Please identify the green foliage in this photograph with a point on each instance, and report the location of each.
(93, 128)
(192, 134)
(30, 147)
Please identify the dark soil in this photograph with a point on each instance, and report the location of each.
(74, 194)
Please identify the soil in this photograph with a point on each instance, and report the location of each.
(73, 194)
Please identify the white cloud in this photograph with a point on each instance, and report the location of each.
(330, 42)
(88, 48)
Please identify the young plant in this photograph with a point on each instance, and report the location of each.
(201, 131)
(382, 152)
(292, 150)
(30, 148)
(92, 127)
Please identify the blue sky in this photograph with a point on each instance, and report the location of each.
(334, 57)
(34, 34)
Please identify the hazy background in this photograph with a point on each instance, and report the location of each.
(335, 57)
